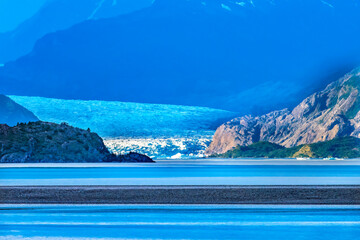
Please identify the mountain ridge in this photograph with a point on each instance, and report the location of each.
(57, 15)
(204, 57)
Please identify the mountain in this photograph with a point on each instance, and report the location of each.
(12, 113)
(57, 15)
(157, 130)
(50, 142)
(344, 147)
(245, 56)
(331, 113)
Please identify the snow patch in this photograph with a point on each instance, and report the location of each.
(96, 9)
(225, 7)
(242, 4)
(327, 4)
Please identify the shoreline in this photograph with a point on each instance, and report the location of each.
(268, 195)
(186, 162)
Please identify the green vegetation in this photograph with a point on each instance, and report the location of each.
(354, 82)
(259, 149)
(344, 147)
(50, 142)
(354, 109)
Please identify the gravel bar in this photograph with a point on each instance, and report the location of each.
(332, 194)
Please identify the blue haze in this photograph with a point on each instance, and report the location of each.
(249, 58)
(54, 15)
(14, 12)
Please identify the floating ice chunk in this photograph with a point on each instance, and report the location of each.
(161, 148)
(176, 156)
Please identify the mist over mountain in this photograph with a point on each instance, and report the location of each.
(244, 56)
(14, 12)
(57, 15)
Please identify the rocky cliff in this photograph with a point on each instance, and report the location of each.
(50, 142)
(325, 115)
(12, 113)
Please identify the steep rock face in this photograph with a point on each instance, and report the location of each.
(12, 113)
(50, 142)
(325, 115)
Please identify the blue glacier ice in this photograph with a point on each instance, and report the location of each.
(158, 130)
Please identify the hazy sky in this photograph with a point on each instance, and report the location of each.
(13, 12)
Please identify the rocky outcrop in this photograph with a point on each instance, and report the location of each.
(12, 113)
(50, 142)
(325, 115)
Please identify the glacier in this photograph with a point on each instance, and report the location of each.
(158, 130)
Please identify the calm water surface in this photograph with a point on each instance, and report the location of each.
(201, 172)
(179, 222)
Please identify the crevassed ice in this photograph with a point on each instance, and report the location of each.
(158, 130)
(162, 148)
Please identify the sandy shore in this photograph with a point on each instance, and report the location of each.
(180, 194)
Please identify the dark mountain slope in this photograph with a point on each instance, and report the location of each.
(12, 113)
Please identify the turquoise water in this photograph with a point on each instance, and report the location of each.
(185, 173)
(179, 222)
(180, 171)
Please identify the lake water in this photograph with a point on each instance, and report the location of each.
(199, 172)
(109, 222)
(57, 222)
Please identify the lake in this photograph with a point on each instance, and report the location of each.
(80, 222)
(255, 222)
(189, 172)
